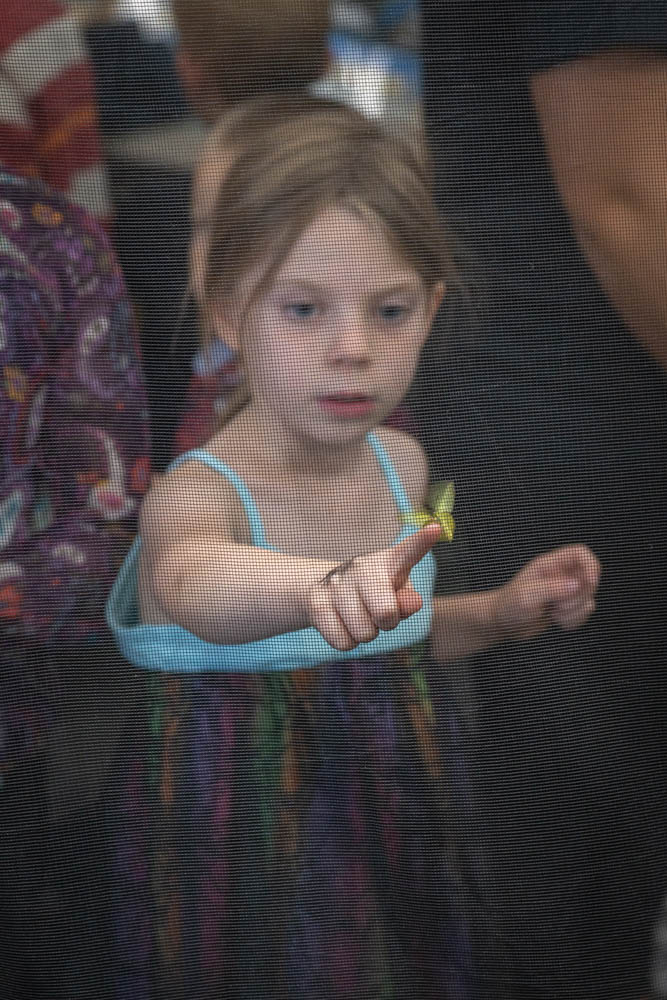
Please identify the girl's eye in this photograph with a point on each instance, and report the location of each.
(301, 310)
(394, 313)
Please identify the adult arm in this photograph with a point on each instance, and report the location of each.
(604, 122)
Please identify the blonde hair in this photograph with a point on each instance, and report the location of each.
(233, 129)
(248, 47)
(245, 120)
(287, 173)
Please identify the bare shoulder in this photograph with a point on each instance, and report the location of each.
(191, 500)
(409, 460)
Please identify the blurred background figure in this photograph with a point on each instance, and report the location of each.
(547, 125)
(230, 51)
(74, 455)
(48, 110)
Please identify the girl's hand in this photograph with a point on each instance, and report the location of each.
(358, 598)
(558, 587)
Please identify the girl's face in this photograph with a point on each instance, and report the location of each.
(330, 347)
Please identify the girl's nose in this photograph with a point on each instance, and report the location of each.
(351, 342)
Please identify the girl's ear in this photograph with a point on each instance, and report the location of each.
(435, 301)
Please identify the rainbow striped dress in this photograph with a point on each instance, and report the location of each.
(287, 832)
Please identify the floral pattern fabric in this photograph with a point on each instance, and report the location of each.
(73, 434)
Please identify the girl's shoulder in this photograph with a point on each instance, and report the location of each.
(409, 460)
(191, 499)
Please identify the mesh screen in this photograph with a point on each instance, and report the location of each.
(264, 731)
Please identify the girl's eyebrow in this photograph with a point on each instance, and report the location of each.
(298, 283)
(409, 285)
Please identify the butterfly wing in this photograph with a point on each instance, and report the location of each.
(441, 500)
(418, 517)
(439, 508)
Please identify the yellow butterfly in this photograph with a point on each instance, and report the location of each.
(438, 507)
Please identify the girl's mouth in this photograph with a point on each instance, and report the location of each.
(347, 404)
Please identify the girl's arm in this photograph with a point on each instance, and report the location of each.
(462, 625)
(556, 588)
(229, 593)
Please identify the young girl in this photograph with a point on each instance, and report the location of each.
(286, 832)
(215, 372)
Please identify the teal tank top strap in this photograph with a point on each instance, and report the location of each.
(387, 466)
(250, 507)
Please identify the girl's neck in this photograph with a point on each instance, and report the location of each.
(304, 460)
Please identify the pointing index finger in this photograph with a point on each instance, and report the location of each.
(406, 554)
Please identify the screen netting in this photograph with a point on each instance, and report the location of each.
(271, 273)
